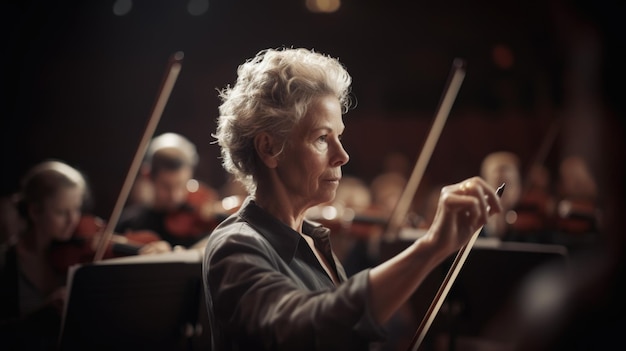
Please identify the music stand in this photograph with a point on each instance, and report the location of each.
(493, 272)
(135, 303)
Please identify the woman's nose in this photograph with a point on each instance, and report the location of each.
(341, 156)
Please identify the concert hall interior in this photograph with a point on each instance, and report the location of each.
(540, 108)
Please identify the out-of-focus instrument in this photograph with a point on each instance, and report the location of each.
(81, 247)
(455, 79)
(171, 75)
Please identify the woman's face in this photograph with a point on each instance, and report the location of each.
(310, 164)
(57, 216)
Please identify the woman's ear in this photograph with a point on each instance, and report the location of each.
(266, 147)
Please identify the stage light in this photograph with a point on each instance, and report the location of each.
(197, 7)
(502, 56)
(192, 185)
(122, 7)
(325, 6)
(329, 212)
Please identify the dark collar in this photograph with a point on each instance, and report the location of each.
(283, 238)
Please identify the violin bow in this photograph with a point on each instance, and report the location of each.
(167, 85)
(455, 79)
(442, 293)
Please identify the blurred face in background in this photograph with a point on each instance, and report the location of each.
(170, 188)
(57, 216)
(504, 172)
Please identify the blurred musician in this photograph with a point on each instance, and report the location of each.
(52, 233)
(577, 218)
(32, 292)
(534, 211)
(171, 203)
(497, 168)
(429, 207)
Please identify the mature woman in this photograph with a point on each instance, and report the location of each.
(271, 279)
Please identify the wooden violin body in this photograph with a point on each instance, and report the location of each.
(81, 248)
(197, 216)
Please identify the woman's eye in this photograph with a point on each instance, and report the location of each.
(322, 139)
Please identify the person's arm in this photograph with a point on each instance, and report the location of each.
(463, 208)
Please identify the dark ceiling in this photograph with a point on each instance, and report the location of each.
(79, 81)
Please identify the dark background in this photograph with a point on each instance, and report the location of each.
(79, 82)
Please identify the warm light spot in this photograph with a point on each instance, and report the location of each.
(230, 202)
(326, 6)
(329, 212)
(510, 217)
(564, 208)
(502, 56)
(192, 185)
(348, 215)
(197, 7)
(122, 7)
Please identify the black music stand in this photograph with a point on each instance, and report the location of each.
(136, 304)
(491, 275)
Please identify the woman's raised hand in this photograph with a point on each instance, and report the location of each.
(463, 209)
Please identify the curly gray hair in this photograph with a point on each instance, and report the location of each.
(272, 93)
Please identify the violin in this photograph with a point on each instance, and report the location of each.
(81, 248)
(360, 224)
(198, 215)
(533, 213)
(577, 215)
(577, 210)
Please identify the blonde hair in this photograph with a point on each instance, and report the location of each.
(45, 179)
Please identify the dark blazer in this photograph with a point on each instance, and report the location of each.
(266, 290)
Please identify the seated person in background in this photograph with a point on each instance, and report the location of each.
(386, 189)
(497, 168)
(535, 209)
(32, 291)
(177, 207)
(429, 207)
(271, 279)
(577, 215)
(33, 269)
